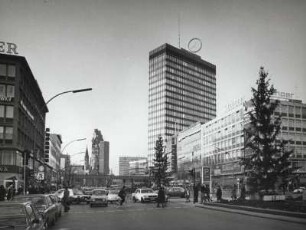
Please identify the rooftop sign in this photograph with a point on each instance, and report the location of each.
(8, 48)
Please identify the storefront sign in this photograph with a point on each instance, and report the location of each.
(10, 169)
(231, 167)
(6, 99)
(283, 95)
(26, 109)
(8, 48)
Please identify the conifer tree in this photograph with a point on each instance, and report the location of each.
(268, 161)
(160, 162)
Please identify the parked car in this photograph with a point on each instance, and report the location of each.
(175, 192)
(75, 195)
(20, 215)
(43, 204)
(113, 196)
(88, 191)
(59, 207)
(144, 195)
(297, 194)
(98, 197)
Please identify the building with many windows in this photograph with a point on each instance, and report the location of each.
(138, 167)
(124, 164)
(220, 143)
(22, 119)
(182, 91)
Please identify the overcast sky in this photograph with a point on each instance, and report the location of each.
(72, 44)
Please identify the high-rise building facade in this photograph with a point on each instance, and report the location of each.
(182, 91)
(22, 120)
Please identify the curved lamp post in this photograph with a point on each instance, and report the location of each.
(69, 143)
(69, 91)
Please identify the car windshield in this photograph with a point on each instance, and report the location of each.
(113, 192)
(78, 192)
(146, 191)
(98, 192)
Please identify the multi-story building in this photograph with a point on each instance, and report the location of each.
(100, 154)
(124, 164)
(182, 91)
(223, 140)
(55, 156)
(22, 119)
(189, 150)
(138, 167)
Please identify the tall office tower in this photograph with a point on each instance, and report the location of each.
(182, 91)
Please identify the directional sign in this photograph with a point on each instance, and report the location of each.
(40, 176)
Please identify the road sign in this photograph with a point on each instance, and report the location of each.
(206, 174)
(40, 176)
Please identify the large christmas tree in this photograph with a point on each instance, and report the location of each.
(268, 161)
(160, 164)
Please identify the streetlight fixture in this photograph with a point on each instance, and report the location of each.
(69, 91)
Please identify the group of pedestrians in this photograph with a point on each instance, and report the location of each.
(7, 193)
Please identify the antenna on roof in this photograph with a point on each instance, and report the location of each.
(179, 30)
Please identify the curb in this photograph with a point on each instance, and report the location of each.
(258, 212)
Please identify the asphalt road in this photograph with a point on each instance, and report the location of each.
(177, 215)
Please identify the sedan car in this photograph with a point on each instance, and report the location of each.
(43, 204)
(59, 207)
(98, 197)
(20, 215)
(175, 192)
(75, 195)
(112, 196)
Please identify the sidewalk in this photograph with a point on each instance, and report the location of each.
(294, 217)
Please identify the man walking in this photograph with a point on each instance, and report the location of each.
(161, 197)
(122, 195)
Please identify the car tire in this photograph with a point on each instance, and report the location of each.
(134, 200)
(142, 200)
(91, 205)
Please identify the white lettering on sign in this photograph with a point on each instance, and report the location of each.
(8, 99)
(283, 95)
(3, 169)
(8, 47)
(26, 109)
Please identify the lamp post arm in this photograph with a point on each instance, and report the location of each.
(58, 95)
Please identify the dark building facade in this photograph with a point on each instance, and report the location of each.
(182, 91)
(22, 119)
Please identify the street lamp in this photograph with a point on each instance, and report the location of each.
(69, 91)
(69, 143)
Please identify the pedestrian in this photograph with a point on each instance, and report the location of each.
(187, 194)
(195, 194)
(161, 197)
(234, 192)
(20, 190)
(203, 193)
(65, 200)
(219, 194)
(2, 193)
(207, 194)
(242, 192)
(122, 195)
(10, 192)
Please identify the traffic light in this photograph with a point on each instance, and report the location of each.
(47, 144)
(191, 172)
(25, 156)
